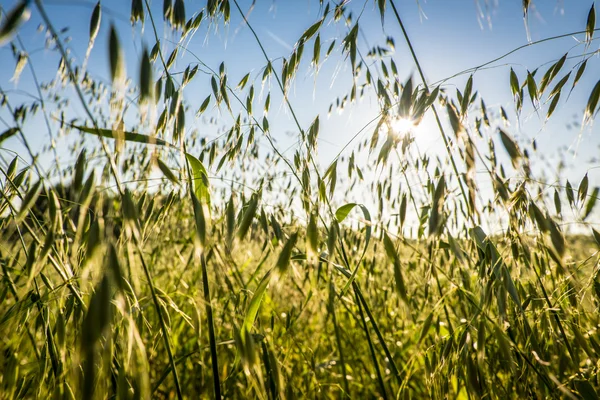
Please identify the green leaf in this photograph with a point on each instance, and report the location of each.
(255, 303)
(344, 210)
(199, 179)
(128, 136)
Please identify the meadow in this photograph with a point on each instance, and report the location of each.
(155, 262)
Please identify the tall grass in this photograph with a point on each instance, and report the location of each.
(248, 273)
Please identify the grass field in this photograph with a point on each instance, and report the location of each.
(229, 281)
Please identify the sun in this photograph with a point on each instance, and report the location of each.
(403, 126)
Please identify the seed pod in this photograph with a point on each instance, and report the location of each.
(14, 19)
(179, 14)
(115, 53)
(137, 11)
(95, 22)
(146, 85)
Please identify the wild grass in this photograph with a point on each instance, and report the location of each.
(248, 274)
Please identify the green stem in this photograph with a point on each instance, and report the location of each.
(114, 171)
(161, 320)
(475, 69)
(435, 113)
(338, 338)
(370, 342)
(84, 104)
(211, 329)
(209, 311)
(386, 350)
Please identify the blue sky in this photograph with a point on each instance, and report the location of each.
(449, 36)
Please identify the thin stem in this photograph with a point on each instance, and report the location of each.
(44, 111)
(371, 347)
(435, 113)
(114, 171)
(211, 329)
(386, 350)
(206, 289)
(79, 92)
(338, 337)
(161, 320)
(485, 64)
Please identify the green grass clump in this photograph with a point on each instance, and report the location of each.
(248, 274)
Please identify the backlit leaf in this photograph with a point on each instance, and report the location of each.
(343, 211)
(128, 136)
(200, 181)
